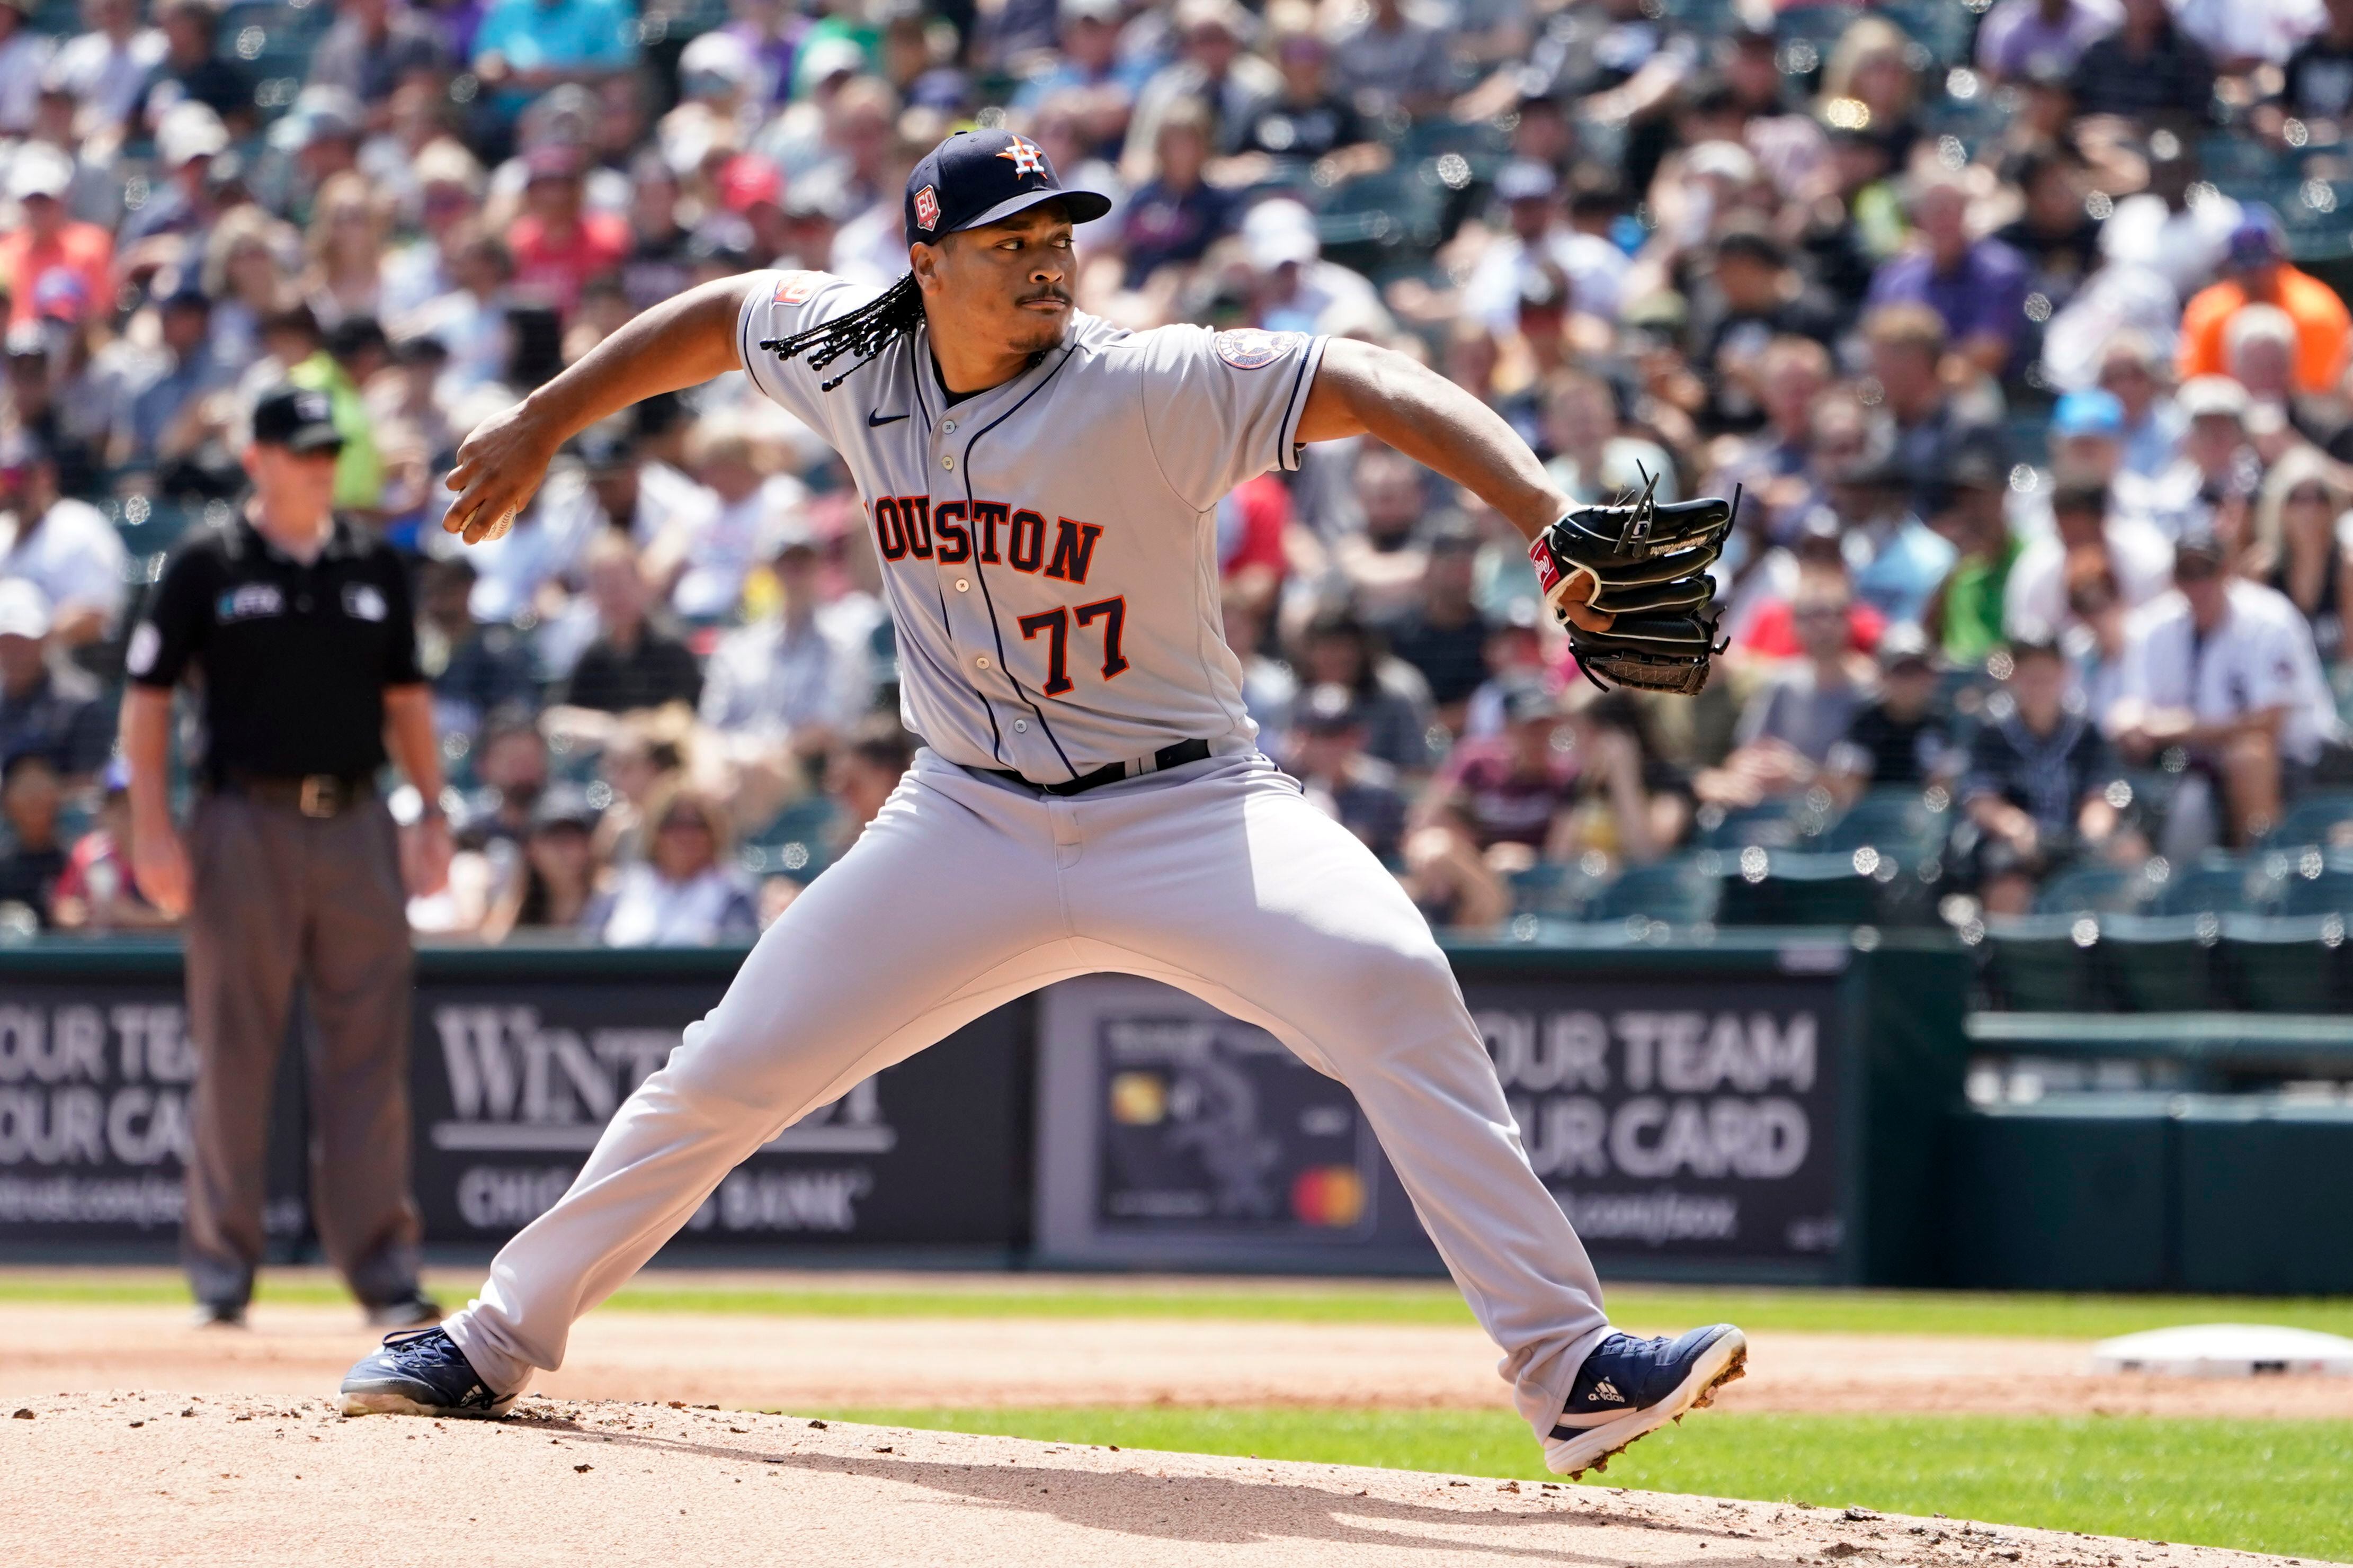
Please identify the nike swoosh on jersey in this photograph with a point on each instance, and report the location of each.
(876, 417)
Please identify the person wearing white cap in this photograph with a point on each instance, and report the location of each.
(188, 137)
(53, 709)
(2212, 461)
(1298, 290)
(50, 238)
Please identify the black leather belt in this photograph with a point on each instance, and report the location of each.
(1167, 757)
(314, 795)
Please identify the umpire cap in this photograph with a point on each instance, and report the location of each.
(978, 177)
(298, 419)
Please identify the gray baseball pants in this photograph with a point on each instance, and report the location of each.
(1218, 878)
(280, 896)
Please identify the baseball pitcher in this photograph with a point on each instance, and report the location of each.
(1042, 490)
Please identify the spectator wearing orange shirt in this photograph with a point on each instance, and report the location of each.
(50, 240)
(558, 246)
(2259, 274)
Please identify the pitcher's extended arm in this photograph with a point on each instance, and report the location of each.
(1365, 390)
(680, 343)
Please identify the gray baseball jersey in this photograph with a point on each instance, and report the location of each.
(1049, 545)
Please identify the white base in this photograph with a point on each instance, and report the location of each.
(2226, 1349)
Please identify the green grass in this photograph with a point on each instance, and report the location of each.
(2267, 1486)
(1648, 1308)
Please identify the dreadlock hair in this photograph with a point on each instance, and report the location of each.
(865, 332)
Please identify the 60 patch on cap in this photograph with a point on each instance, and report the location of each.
(978, 177)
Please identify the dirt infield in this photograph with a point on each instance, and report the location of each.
(741, 1361)
(101, 1480)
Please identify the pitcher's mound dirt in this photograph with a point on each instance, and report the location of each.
(105, 1478)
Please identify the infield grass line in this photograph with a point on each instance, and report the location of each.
(1641, 1308)
(2260, 1486)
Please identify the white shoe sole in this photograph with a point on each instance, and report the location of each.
(1593, 1449)
(383, 1403)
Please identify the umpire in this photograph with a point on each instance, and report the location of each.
(294, 623)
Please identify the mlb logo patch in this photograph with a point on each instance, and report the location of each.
(795, 288)
(927, 209)
(1253, 348)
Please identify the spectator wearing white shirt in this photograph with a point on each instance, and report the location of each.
(1530, 194)
(2035, 601)
(2225, 670)
(25, 53)
(64, 546)
(2136, 377)
(107, 68)
(686, 892)
(699, 562)
(803, 675)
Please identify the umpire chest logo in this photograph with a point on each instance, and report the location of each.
(251, 600)
(365, 602)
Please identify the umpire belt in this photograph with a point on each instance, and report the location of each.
(314, 795)
(1167, 757)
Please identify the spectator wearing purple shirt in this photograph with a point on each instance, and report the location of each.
(1978, 286)
(2020, 34)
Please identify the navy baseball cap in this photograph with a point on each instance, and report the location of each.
(978, 177)
(298, 419)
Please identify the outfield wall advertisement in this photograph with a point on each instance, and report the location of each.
(511, 1083)
(1702, 1132)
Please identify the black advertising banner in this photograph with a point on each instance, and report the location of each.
(1692, 1123)
(1696, 1120)
(94, 1086)
(514, 1080)
(511, 1081)
(1171, 1136)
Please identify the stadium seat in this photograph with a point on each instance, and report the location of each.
(2319, 883)
(2164, 963)
(1800, 887)
(2281, 965)
(1681, 891)
(1904, 822)
(2219, 883)
(2093, 889)
(2315, 820)
(2044, 964)
(1775, 824)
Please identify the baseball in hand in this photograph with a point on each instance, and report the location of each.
(497, 529)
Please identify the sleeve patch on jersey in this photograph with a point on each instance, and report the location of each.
(1254, 347)
(795, 288)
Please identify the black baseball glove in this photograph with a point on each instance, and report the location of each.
(1645, 565)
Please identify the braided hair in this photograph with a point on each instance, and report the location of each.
(865, 332)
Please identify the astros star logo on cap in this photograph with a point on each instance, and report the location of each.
(1027, 159)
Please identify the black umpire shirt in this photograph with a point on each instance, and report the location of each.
(294, 659)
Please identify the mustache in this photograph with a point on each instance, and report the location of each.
(1056, 294)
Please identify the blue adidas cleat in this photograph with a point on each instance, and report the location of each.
(1628, 1388)
(420, 1372)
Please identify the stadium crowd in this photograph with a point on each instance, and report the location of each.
(2018, 326)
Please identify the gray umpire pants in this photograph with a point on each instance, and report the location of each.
(280, 896)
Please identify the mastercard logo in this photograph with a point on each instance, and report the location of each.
(1139, 1098)
(1331, 1196)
